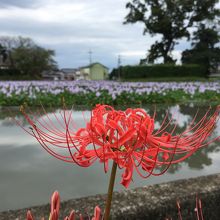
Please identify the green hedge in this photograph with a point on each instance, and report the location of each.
(162, 70)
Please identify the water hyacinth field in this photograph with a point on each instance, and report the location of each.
(109, 92)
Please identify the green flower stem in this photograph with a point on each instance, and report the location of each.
(110, 191)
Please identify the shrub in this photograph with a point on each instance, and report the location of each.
(162, 70)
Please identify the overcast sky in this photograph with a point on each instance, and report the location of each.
(73, 27)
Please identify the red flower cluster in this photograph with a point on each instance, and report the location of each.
(126, 137)
(198, 210)
(55, 208)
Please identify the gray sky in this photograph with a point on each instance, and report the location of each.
(73, 27)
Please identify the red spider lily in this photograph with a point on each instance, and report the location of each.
(55, 199)
(55, 208)
(126, 137)
(198, 210)
(29, 215)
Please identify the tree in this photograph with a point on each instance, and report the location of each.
(27, 57)
(11, 43)
(204, 48)
(32, 61)
(171, 19)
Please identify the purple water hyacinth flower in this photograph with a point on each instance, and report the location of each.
(113, 89)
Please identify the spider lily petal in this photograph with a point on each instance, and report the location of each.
(97, 213)
(29, 215)
(55, 203)
(71, 216)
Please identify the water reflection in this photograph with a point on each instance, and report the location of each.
(28, 175)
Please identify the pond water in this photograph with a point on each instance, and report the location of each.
(28, 174)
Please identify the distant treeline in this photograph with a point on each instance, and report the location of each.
(158, 71)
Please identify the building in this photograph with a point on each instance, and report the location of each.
(63, 74)
(52, 75)
(94, 71)
(69, 73)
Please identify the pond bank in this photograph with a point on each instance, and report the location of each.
(154, 202)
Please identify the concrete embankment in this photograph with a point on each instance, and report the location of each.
(155, 202)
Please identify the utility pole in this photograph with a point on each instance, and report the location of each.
(119, 67)
(90, 57)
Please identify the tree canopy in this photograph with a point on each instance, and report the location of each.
(26, 56)
(204, 48)
(171, 19)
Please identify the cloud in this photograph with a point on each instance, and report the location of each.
(18, 3)
(133, 53)
(73, 27)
